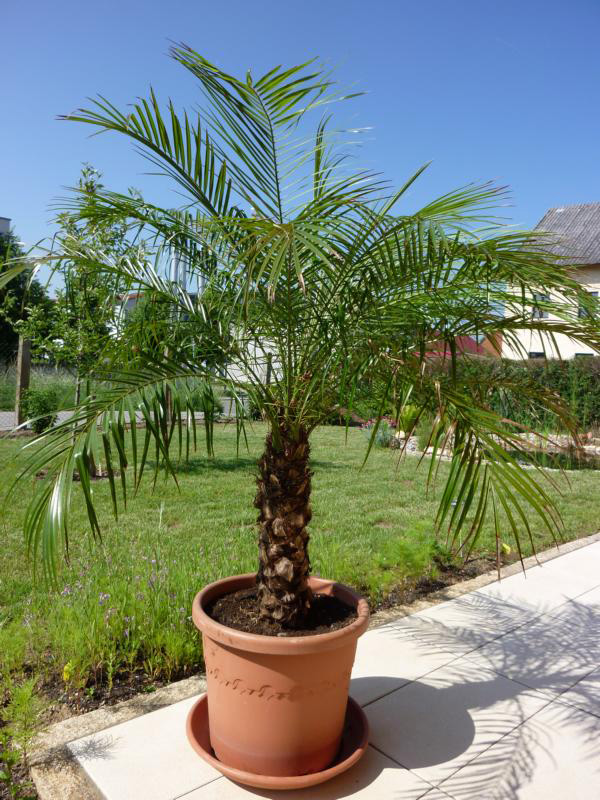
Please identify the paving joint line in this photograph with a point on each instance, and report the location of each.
(544, 691)
(418, 678)
(402, 766)
(493, 744)
(446, 664)
(201, 786)
(574, 707)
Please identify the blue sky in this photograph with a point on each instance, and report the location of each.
(487, 90)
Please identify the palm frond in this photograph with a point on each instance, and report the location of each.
(103, 430)
(316, 269)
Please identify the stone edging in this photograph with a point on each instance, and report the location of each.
(57, 776)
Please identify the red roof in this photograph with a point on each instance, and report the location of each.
(464, 345)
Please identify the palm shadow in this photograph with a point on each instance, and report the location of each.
(95, 748)
(539, 656)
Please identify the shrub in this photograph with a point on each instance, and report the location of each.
(385, 432)
(576, 381)
(20, 721)
(207, 402)
(364, 402)
(7, 393)
(42, 377)
(254, 411)
(41, 405)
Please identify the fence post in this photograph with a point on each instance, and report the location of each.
(269, 368)
(23, 376)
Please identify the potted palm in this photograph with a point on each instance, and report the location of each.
(312, 280)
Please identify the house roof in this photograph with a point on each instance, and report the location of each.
(576, 232)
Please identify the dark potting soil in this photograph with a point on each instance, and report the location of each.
(240, 610)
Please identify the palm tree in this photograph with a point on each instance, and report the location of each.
(310, 266)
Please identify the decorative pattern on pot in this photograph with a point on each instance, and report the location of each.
(267, 692)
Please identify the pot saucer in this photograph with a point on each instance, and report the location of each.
(354, 744)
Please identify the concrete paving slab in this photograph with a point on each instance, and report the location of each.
(50, 743)
(588, 600)
(555, 755)
(148, 757)
(475, 619)
(438, 724)
(585, 694)
(586, 563)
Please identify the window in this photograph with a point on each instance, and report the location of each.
(585, 312)
(583, 355)
(536, 355)
(539, 313)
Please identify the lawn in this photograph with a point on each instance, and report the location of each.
(123, 606)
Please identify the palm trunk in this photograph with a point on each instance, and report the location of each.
(283, 499)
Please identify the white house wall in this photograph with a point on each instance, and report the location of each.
(258, 357)
(531, 342)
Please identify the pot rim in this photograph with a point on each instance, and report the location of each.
(278, 645)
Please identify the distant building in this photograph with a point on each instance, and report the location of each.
(576, 239)
(468, 346)
(4, 226)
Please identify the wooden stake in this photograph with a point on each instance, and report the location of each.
(23, 377)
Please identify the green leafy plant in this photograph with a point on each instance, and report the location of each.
(442, 557)
(10, 761)
(408, 418)
(312, 268)
(75, 332)
(21, 714)
(20, 723)
(424, 432)
(40, 406)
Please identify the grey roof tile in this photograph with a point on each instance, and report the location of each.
(576, 232)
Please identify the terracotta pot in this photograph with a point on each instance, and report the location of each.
(277, 705)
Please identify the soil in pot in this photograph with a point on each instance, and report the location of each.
(240, 610)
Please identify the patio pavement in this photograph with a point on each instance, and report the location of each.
(491, 696)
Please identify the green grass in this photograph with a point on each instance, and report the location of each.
(124, 605)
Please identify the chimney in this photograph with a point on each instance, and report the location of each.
(4, 226)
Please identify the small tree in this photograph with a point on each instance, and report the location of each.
(20, 300)
(79, 330)
(311, 265)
